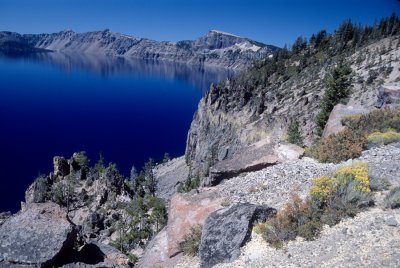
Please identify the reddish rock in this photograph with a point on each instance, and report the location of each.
(156, 254)
(187, 210)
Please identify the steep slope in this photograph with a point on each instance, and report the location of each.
(15, 44)
(261, 103)
(216, 48)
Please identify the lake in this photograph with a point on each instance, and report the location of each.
(127, 110)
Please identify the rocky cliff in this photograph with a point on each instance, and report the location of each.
(216, 48)
(260, 104)
(14, 44)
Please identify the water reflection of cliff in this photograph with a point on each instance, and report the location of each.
(197, 75)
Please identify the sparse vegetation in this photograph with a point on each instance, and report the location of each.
(378, 184)
(392, 200)
(382, 138)
(191, 241)
(331, 199)
(377, 127)
(189, 184)
(82, 159)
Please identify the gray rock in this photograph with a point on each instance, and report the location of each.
(255, 157)
(391, 221)
(169, 175)
(36, 236)
(61, 166)
(4, 216)
(226, 230)
(388, 96)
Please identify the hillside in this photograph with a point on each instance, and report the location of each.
(12, 44)
(260, 104)
(293, 163)
(216, 48)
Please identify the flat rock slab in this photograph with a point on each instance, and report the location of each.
(35, 235)
(186, 211)
(226, 230)
(253, 158)
(169, 175)
(334, 124)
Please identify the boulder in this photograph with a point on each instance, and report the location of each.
(112, 256)
(37, 191)
(226, 230)
(4, 216)
(334, 124)
(388, 96)
(156, 254)
(187, 210)
(255, 157)
(61, 166)
(36, 236)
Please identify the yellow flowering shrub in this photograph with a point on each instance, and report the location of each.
(383, 137)
(322, 187)
(359, 171)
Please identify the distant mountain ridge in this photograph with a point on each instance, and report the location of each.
(217, 48)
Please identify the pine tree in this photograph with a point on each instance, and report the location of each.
(150, 178)
(294, 133)
(338, 84)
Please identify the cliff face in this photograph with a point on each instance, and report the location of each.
(260, 104)
(216, 48)
(14, 44)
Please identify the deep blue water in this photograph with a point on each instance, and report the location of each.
(57, 104)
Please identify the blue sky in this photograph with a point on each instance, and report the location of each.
(275, 22)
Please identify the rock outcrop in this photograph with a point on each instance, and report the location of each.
(37, 236)
(170, 175)
(255, 157)
(188, 210)
(226, 230)
(216, 48)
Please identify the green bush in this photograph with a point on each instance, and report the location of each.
(191, 241)
(340, 147)
(392, 200)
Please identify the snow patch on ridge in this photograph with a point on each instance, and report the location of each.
(224, 33)
(248, 46)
